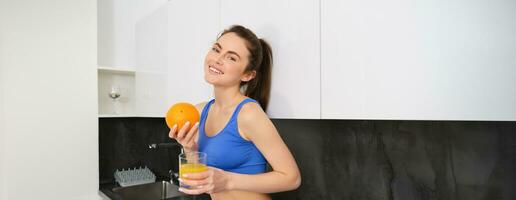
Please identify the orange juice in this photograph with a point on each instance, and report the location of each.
(191, 162)
(188, 168)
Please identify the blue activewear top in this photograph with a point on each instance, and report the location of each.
(227, 150)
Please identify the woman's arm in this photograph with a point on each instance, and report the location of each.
(255, 125)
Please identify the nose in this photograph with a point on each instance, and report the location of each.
(219, 59)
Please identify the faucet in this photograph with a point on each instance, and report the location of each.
(165, 145)
(172, 175)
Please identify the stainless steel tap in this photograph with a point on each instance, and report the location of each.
(165, 145)
(172, 175)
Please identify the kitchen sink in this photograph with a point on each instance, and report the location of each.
(150, 191)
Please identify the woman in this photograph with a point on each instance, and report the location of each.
(234, 130)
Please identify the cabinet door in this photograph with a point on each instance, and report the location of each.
(193, 26)
(171, 45)
(292, 29)
(418, 60)
(151, 64)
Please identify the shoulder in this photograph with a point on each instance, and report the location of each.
(253, 122)
(251, 112)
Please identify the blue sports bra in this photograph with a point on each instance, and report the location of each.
(227, 150)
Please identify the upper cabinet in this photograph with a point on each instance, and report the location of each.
(400, 60)
(152, 64)
(193, 28)
(418, 60)
(292, 29)
(116, 54)
(116, 35)
(171, 44)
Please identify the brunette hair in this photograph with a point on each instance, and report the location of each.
(260, 60)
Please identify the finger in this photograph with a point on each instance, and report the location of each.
(192, 141)
(183, 130)
(192, 191)
(198, 175)
(191, 133)
(172, 133)
(194, 183)
(210, 189)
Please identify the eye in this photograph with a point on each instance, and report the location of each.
(215, 49)
(232, 59)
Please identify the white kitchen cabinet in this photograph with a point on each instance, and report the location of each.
(151, 63)
(116, 35)
(115, 32)
(292, 29)
(418, 60)
(116, 52)
(171, 44)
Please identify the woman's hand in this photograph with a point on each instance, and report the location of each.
(212, 180)
(186, 136)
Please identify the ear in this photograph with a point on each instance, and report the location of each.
(248, 76)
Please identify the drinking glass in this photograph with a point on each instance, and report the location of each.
(191, 162)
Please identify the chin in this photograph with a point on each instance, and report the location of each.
(209, 79)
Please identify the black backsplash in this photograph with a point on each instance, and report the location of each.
(124, 143)
(355, 160)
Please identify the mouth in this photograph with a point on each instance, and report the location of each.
(215, 70)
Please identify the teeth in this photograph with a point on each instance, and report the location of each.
(215, 70)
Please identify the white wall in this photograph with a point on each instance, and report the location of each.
(48, 54)
(2, 140)
(116, 29)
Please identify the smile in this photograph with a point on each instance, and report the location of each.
(215, 70)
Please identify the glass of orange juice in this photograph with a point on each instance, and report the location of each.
(191, 162)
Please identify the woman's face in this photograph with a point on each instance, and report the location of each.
(225, 63)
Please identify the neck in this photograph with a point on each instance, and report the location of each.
(226, 97)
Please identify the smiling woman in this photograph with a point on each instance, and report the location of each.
(234, 130)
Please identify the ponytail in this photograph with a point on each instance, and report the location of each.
(259, 87)
(260, 60)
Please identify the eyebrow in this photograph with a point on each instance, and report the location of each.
(231, 52)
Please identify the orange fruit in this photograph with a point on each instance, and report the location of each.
(180, 113)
